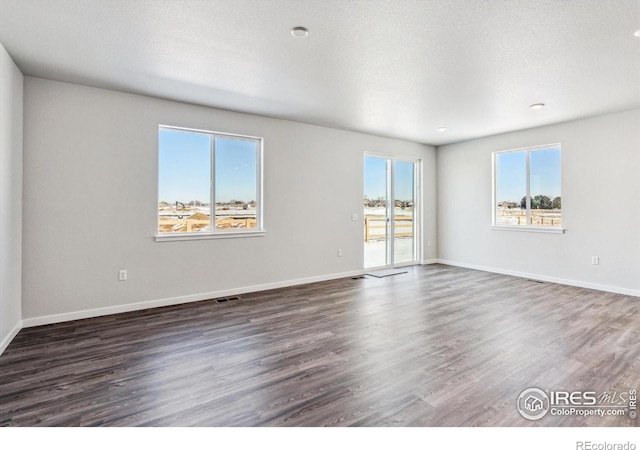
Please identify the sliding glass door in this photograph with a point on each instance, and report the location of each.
(390, 211)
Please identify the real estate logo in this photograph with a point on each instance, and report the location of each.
(533, 403)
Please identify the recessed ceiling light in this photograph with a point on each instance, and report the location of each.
(537, 106)
(637, 34)
(299, 32)
(441, 129)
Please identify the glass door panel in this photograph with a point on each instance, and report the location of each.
(376, 214)
(403, 212)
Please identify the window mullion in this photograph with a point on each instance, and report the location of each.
(391, 212)
(528, 194)
(212, 201)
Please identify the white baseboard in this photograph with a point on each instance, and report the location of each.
(425, 262)
(533, 276)
(84, 314)
(8, 338)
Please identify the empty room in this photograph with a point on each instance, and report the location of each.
(305, 213)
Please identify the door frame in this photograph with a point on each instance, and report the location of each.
(417, 209)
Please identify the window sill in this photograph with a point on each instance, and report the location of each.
(551, 230)
(200, 236)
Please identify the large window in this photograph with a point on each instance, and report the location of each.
(527, 187)
(209, 184)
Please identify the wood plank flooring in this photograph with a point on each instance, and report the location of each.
(438, 346)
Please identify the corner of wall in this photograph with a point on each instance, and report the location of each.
(4, 343)
(11, 189)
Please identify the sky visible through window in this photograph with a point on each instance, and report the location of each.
(512, 175)
(185, 168)
(375, 179)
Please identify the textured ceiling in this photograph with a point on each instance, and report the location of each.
(398, 68)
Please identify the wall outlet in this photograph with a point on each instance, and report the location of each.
(340, 252)
(428, 243)
(595, 260)
(354, 217)
(122, 275)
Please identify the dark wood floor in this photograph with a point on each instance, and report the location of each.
(438, 346)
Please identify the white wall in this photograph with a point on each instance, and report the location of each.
(600, 201)
(91, 192)
(11, 93)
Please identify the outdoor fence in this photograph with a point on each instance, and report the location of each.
(187, 225)
(539, 217)
(375, 227)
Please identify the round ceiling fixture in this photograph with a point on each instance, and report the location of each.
(441, 129)
(537, 106)
(637, 34)
(299, 32)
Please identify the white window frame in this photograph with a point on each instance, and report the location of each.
(494, 209)
(222, 234)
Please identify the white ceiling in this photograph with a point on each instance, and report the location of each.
(398, 68)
